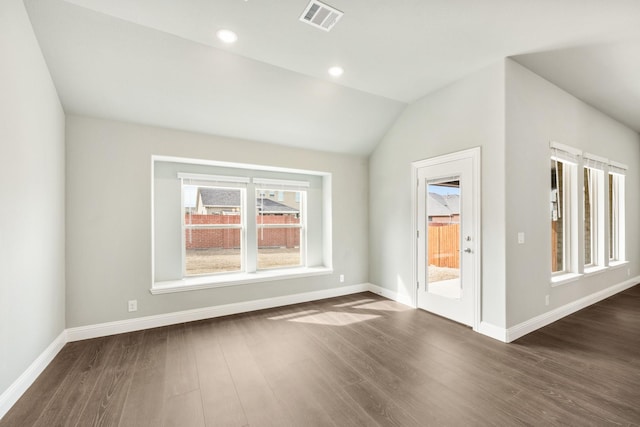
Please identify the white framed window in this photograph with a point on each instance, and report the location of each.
(214, 224)
(593, 211)
(616, 204)
(563, 209)
(600, 206)
(220, 224)
(281, 224)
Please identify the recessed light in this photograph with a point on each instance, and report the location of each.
(336, 71)
(227, 36)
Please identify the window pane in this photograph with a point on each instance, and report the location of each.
(443, 239)
(588, 217)
(611, 219)
(557, 220)
(279, 246)
(616, 217)
(211, 250)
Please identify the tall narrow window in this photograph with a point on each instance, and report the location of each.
(558, 249)
(593, 211)
(563, 210)
(616, 214)
(588, 216)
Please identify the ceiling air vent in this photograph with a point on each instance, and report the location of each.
(320, 15)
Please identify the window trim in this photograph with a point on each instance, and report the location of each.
(605, 169)
(230, 279)
(300, 187)
(569, 213)
(617, 242)
(564, 278)
(218, 182)
(194, 283)
(598, 166)
(589, 194)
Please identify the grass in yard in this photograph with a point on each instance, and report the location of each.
(214, 260)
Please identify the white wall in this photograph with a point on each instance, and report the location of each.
(536, 113)
(109, 217)
(31, 198)
(468, 113)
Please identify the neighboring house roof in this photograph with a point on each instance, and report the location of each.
(217, 197)
(231, 198)
(439, 205)
(271, 206)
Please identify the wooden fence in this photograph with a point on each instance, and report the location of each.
(444, 245)
(207, 238)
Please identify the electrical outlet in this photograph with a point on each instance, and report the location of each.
(628, 272)
(133, 305)
(342, 278)
(546, 300)
(521, 237)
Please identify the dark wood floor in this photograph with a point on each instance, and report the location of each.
(358, 360)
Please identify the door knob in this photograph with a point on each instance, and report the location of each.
(468, 250)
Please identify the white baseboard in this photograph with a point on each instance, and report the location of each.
(147, 322)
(515, 332)
(392, 295)
(11, 395)
(493, 331)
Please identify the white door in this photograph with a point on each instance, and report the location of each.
(448, 246)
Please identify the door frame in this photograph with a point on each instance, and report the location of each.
(475, 155)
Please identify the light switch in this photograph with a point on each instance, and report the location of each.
(521, 238)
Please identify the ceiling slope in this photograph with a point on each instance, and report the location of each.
(606, 76)
(158, 62)
(107, 67)
(400, 49)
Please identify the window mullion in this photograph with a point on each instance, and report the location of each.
(213, 226)
(266, 226)
(571, 218)
(622, 256)
(251, 234)
(303, 230)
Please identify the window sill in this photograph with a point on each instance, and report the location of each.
(208, 282)
(617, 264)
(564, 279)
(590, 271)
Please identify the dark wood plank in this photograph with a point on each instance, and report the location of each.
(220, 401)
(380, 407)
(106, 402)
(285, 355)
(299, 369)
(180, 364)
(184, 410)
(144, 405)
(261, 406)
(70, 400)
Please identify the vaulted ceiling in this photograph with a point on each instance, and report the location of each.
(159, 62)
